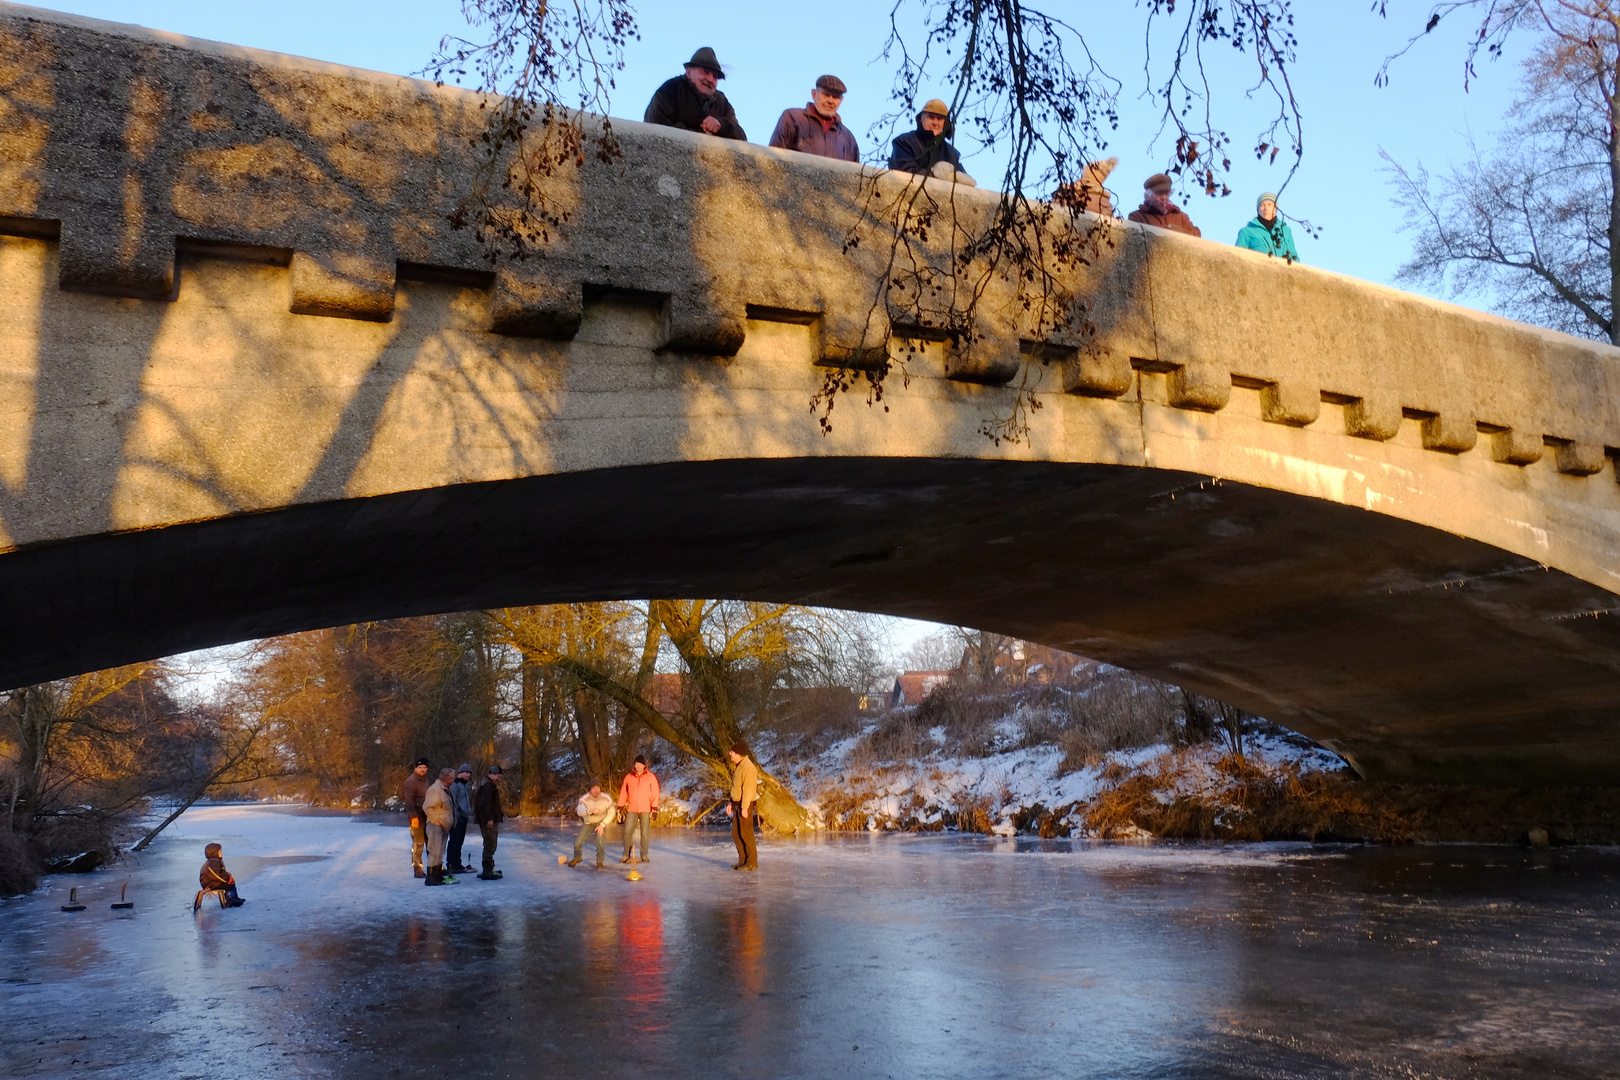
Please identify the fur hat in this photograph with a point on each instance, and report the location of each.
(1159, 184)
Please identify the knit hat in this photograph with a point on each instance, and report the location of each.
(937, 107)
(494, 770)
(465, 768)
(640, 760)
(1158, 183)
(419, 762)
(1264, 195)
(704, 58)
(832, 84)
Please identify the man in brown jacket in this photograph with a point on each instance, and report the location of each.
(817, 128)
(744, 792)
(412, 794)
(1157, 209)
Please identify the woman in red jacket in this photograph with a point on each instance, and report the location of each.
(638, 798)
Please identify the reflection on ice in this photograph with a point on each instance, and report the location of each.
(844, 957)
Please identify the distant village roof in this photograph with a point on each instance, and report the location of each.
(910, 687)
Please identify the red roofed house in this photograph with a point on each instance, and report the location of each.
(910, 687)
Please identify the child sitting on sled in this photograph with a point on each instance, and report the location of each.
(214, 876)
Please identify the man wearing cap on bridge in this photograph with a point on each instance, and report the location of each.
(817, 128)
(1159, 211)
(928, 151)
(693, 101)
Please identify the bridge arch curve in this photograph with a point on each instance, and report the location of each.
(256, 384)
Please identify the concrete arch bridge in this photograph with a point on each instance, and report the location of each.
(253, 382)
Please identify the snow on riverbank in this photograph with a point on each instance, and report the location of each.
(1015, 790)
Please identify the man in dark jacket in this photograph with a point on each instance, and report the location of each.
(412, 794)
(461, 799)
(928, 151)
(693, 101)
(487, 812)
(1157, 209)
(816, 128)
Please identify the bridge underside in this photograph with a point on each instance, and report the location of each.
(1416, 653)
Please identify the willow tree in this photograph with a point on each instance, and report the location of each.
(732, 657)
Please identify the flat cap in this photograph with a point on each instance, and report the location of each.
(832, 84)
(937, 107)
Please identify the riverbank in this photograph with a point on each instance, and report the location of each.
(1280, 787)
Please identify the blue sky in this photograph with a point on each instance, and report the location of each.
(774, 51)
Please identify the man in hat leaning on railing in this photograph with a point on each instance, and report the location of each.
(1157, 209)
(928, 150)
(693, 101)
(817, 128)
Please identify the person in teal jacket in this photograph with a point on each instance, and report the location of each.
(1268, 232)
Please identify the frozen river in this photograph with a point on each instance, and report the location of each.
(845, 956)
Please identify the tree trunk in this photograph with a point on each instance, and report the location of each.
(533, 742)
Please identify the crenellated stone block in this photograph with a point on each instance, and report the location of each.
(524, 303)
(1291, 403)
(1372, 418)
(1514, 446)
(104, 259)
(1450, 432)
(343, 285)
(1095, 372)
(1202, 387)
(855, 338)
(698, 321)
(1576, 457)
(984, 356)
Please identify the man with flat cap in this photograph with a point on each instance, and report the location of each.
(1157, 209)
(816, 128)
(928, 150)
(693, 101)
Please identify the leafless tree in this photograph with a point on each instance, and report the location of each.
(1532, 223)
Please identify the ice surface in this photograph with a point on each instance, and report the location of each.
(935, 955)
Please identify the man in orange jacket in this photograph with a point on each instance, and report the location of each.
(638, 798)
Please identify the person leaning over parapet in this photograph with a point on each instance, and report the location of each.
(817, 128)
(461, 799)
(1268, 232)
(412, 794)
(638, 798)
(1088, 192)
(441, 817)
(1157, 209)
(595, 810)
(489, 815)
(693, 101)
(928, 150)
